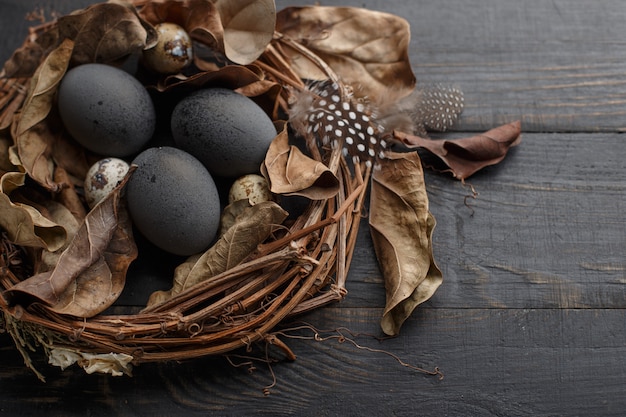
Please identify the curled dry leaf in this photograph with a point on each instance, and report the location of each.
(34, 132)
(401, 228)
(238, 29)
(251, 228)
(25, 60)
(199, 18)
(39, 138)
(103, 32)
(90, 273)
(248, 27)
(62, 216)
(68, 155)
(373, 61)
(290, 172)
(106, 32)
(247, 80)
(68, 196)
(5, 161)
(231, 213)
(116, 364)
(101, 284)
(25, 226)
(466, 156)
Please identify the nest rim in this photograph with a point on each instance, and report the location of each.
(298, 272)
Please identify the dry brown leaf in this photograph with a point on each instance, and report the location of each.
(199, 18)
(231, 213)
(101, 284)
(5, 161)
(27, 58)
(62, 216)
(53, 224)
(25, 226)
(251, 228)
(106, 32)
(33, 132)
(468, 155)
(90, 273)
(70, 156)
(238, 29)
(247, 80)
(401, 228)
(11, 181)
(103, 32)
(68, 196)
(290, 172)
(40, 141)
(235, 77)
(248, 27)
(367, 49)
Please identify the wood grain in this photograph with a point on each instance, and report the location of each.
(544, 231)
(511, 362)
(530, 317)
(557, 66)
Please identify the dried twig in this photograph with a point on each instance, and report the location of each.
(300, 271)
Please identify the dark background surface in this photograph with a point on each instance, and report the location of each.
(530, 318)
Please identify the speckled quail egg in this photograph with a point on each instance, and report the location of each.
(102, 177)
(227, 131)
(173, 51)
(251, 187)
(106, 110)
(173, 200)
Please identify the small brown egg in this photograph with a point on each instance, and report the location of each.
(253, 188)
(173, 51)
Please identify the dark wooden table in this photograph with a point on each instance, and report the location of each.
(530, 319)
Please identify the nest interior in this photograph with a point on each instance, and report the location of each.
(299, 268)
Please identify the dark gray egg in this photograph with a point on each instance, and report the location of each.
(173, 201)
(106, 109)
(228, 132)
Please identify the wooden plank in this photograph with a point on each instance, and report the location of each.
(530, 318)
(512, 362)
(546, 230)
(558, 66)
(516, 61)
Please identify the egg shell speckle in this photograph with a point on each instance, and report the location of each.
(173, 201)
(173, 51)
(227, 131)
(102, 178)
(106, 109)
(251, 187)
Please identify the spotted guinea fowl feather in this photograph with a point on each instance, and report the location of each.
(330, 115)
(327, 114)
(430, 107)
(440, 107)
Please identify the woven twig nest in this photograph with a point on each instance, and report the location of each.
(301, 266)
(339, 94)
